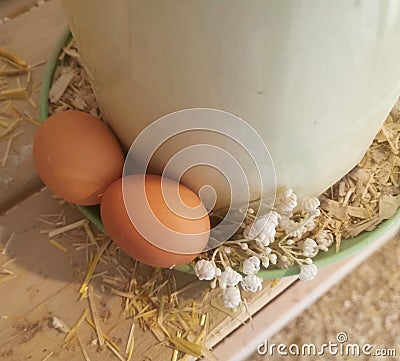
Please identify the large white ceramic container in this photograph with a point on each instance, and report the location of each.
(315, 79)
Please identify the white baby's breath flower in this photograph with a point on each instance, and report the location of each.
(284, 222)
(315, 213)
(287, 202)
(274, 218)
(309, 242)
(273, 258)
(263, 229)
(289, 226)
(299, 232)
(310, 204)
(252, 283)
(295, 229)
(268, 237)
(308, 272)
(265, 261)
(264, 238)
(229, 278)
(205, 270)
(232, 297)
(308, 261)
(310, 224)
(324, 240)
(250, 234)
(310, 248)
(251, 265)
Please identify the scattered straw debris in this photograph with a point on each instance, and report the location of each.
(16, 86)
(14, 94)
(67, 228)
(6, 275)
(24, 115)
(51, 353)
(5, 157)
(60, 85)
(370, 193)
(74, 328)
(105, 337)
(150, 299)
(11, 127)
(115, 351)
(58, 245)
(95, 316)
(13, 72)
(13, 59)
(84, 353)
(8, 243)
(71, 88)
(3, 124)
(186, 346)
(93, 266)
(131, 343)
(175, 354)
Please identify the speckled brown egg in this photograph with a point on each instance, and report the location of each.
(77, 156)
(162, 233)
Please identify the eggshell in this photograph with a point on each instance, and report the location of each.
(176, 230)
(77, 156)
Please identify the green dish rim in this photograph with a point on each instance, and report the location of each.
(348, 246)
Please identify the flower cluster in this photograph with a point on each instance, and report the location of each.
(263, 229)
(288, 235)
(229, 280)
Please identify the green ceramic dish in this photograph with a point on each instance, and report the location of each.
(348, 246)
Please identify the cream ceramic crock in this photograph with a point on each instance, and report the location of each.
(315, 79)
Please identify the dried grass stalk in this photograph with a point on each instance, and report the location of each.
(95, 317)
(74, 328)
(17, 61)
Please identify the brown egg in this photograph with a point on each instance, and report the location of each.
(165, 231)
(77, 156)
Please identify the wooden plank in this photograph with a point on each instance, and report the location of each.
(244, 341)
(31, 36)
(47, 283)
(41, 269)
